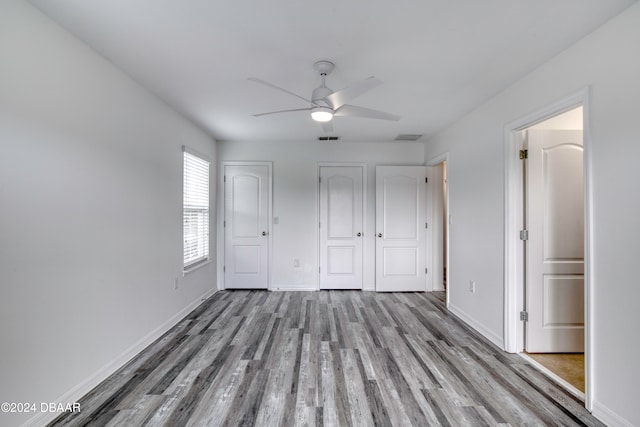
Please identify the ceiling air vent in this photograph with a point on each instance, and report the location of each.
(407, 137)
(328, 138)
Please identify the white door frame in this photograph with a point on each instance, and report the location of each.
(365, 234)
(444, 157)
(221, 233)
(513, 254)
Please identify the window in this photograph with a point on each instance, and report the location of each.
(195, 210)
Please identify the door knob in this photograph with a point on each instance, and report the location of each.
(379, 234)
(264, 233)
(359, 234)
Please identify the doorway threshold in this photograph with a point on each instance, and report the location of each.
(554, 377)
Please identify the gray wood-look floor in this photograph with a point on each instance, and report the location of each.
(343, 358)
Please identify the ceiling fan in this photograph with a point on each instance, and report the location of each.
(325, 103)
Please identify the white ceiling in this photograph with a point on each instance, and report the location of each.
(438, 58)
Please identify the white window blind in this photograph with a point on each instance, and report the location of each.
(195, 210)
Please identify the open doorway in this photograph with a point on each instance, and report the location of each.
(515, 312)
(514, 265)
(439, 224)
(445, 220)
(552, 218)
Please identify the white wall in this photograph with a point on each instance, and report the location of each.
(606, 61)
(90, 214)
(295, 185)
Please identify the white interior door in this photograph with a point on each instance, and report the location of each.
(246, 227)
(555, 255)
(341, 227)
(401, 228)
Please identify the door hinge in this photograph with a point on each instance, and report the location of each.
(524, 234)
(224, 268)
(426, 179)
(426, 225)
(224, 223)
(224, 178)
(426, 271)
(524, 316)
(524, 154)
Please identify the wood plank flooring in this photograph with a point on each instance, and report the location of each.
(334, 358)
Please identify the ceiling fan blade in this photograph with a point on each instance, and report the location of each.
(327, 127)
(253, 79)
(354, 111)
(341, 97)
(281, 111)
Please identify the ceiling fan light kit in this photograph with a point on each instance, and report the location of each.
(321, 114)
(325, 103)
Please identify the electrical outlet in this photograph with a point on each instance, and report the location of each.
(296, 263)
(472, 286)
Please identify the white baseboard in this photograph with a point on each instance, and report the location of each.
(311, 288)
(483, 330)
(289, 288)
(607, 416)
(103, 373)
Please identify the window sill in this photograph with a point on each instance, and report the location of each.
(196, 267)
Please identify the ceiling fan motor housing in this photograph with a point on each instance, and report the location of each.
(319, 96)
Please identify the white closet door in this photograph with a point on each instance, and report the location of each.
(401, 228)
(341, 227)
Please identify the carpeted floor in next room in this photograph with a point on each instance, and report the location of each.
(568, 366)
